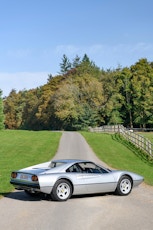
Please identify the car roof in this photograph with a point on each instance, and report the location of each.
(69, 161)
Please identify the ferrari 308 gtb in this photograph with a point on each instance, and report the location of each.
(64, 178)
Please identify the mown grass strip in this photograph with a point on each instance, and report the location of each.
(19, 149)
(118, 154)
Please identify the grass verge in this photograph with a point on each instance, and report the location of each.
(19, 149)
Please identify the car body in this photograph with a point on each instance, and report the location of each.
(64, 178)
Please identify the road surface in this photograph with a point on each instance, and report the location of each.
(19, 211)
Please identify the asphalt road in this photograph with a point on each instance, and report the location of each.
(19, 211)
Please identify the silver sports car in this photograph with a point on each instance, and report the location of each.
(64, 178)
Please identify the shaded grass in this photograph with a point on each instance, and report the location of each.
(119, 154)
(19, 149)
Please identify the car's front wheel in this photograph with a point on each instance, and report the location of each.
(62, 190)
(124, 186)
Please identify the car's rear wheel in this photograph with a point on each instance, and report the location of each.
(62, 190)
(124, 186)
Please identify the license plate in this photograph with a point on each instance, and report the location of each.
(24, 176)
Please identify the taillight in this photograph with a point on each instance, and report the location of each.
(14, 175)
(34, 178)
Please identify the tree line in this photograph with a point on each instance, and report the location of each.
(84, 95)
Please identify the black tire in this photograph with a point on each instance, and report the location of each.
(124, 186)
(62, 190)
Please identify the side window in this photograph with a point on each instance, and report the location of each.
(91, 168)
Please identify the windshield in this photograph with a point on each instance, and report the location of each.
(86, 167)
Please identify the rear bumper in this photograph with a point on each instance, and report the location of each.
(25, 186)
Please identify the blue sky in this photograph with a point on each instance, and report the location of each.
(35, 34)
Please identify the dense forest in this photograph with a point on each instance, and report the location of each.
(84, 95)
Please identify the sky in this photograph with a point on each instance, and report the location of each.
(35, 34)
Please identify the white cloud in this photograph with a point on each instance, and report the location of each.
(21, 80)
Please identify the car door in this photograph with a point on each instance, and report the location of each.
(96, 179)
(76, 175)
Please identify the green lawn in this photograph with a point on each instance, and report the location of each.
(110, 149)
(19, 149)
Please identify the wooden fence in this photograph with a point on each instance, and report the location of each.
(138, 140)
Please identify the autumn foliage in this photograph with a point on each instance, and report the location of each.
(84, 95)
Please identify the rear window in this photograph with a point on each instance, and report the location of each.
(56, 164)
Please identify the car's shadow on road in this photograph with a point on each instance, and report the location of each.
(21, 195)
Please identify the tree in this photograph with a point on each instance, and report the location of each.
(29, 119)
(87, 66)
(64, 105)
(77, 102)
(1, 112)
(65, 66)
(113, 98)
(14, 108)
(50, 76)
(127, 94)
(84, 96)
(76, 61)
(142, 90)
